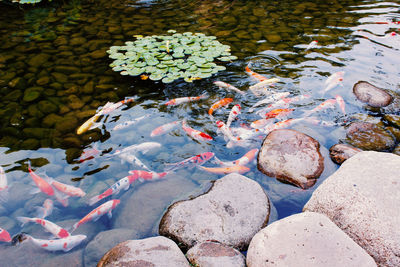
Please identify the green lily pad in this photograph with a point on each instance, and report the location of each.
(156, 76)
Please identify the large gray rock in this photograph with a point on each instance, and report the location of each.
(305, 239)
(372, 95)
(154, 251)
(231, 212)
(291, 156)
(214, 254)
(363, 199)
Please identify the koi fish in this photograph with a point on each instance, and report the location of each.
(340, 102)
(226, 131)
(235, 111)
(333, 80)
(129, 123)
(46, 210)
(248, 157)
(180, 100)
(122, 184)
(330, 103)
(278, 113)
(218, 104)
(4, 236)
(129, 157)
(281, 125)
(245, 134)
(199, 159)
(312, 45)
(95, 214)
(143, 175)
(3, 185)
(110, 107)
(165, 128)
(50, 227)
(283, 103)
(195, 134)
(41, 183)
(228, 86)
(143, 147)
(88, 154)
(89, 124)
(255, 75)
(66, 189)
(259, 124)
(64, 244)
(316, 121)
(273, 98)
(225, 170)
(261, 87)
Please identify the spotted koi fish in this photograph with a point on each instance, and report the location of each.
(190, 162)
(122, 184)
(225, 170)
(165, 128)
(283, 103)
(142, 147)
(340, 102)
(259, 124)
(195, 134)
(278, 113)
(281, 125)
(143, 175)
(110, 107)
(51, 227)
(41, 183)
(226, 131)
(131, 158)
(248, 157)
(228, 86)
(255, 75)
(233, 114)
(4, 236)
(272, 98)
(64, 244)
(180, 100)
(330, 103)
(218, 104)
(69, 190)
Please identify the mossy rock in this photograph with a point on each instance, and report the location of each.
(14, 95)
(393, 119)
(30, 144)
(47, 107)
(67, 124)
(32, 94)
(50, 120)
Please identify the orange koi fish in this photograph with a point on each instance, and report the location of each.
(278, 113)
(163, 129)
(190, 162)
(4, 236)
(195, 134)
(218, 104)
(225, 170)
(181, 100)
(64, 244)
(340, 102)
(235, 111)
(281, 125)
(255, 75)
(41, 183)
(95, 214)
(259, 124)
(330, 103)
(228, 86)
(46, 210)
(50, 227)
(248, 157)
(69, 190)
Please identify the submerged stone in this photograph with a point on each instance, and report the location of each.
(18, 83)
(369, 136)
(32, 93)
(341, 152)
(38, 60)
(372, 95)
(393, 119)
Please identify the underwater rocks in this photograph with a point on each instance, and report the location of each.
(372, 95)
(292, 157)
(153, 251)
(305, 239)
(369, 136)
(341, 152)
(362, 198)
(231, 212)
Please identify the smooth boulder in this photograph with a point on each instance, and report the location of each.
(305, 239)
(231, 212)
(372, 95)
(362, 198)
(291, 156)
(154, 251)
(341, 152)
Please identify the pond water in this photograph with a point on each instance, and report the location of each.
(55, 74)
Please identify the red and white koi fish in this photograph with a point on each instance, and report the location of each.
(330, 103)
(121, 184)
(180, 100)
(64, 244)
(126, 124)
(131, 158)
(340, 102)
(233, 114)
(226, 131)
(50, 227)
(46, 209)
(190, 162)
(218, 104)
(259, 124)
(248, 157)
(283, 103)
(143, 175)
(272, 98)
(41, 183)
(110, 107)
(95, 214)
(228, 86)
(142, 147)
(225, 170)
(255, 75)
(281, 125)
(245, 134)
(4, 236)
(195, 134)
(66, 189)
(333, 80)
(312, 45)
(165, 128)
(3, 186)
(88, 154)
(278, 113)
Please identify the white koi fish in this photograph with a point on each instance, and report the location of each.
(333, 80)
(64, 244)
(283, 103)
(131, 158)
(261, 88)
(195, 134)
(46, 210)
(272, 98)
(248, 157)
(143, 147)
(181, 100)
(122, 184)
(228, 86)
(340, 102)
(226, 131)
(126, 124)
(259, 124)
(233, 114)
(110, 107)
(165, 128)
(50, 227)
(3, 185)
(190, 162)
(95, 214)
(281, 125)
(330, 103)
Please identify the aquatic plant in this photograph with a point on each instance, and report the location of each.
(170, 57)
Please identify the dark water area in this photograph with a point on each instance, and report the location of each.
(55, 74)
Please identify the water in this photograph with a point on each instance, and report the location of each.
(58, 50)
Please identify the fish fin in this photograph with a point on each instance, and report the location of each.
(109, 214)
(34, 191)
(23, 220)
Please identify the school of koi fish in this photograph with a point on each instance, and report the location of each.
(274, 111)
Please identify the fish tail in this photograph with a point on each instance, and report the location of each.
(23, 220)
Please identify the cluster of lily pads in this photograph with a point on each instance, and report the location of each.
(170, 57)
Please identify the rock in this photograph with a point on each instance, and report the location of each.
(291, 156)
(77, 41)
(154, 251)
(18, 83)
(32, 93)
(362, 199)
(305, 239)
(13, 96)
(66, 69)
(43, 81)
(369, 136)
(38, 60)
(273, 38)
(103, 242)
(67, 124)
(393, 119)
(47, 107)
(396, 150)
(75, 102)
(61, 78)
(214, 254)
(341, 152)
(98, 54)
(372, 95)
(231, 212)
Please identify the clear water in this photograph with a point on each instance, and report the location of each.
(74, 81)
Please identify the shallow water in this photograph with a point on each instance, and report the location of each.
(58, 51)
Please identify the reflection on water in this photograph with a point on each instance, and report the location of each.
(54, 75)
